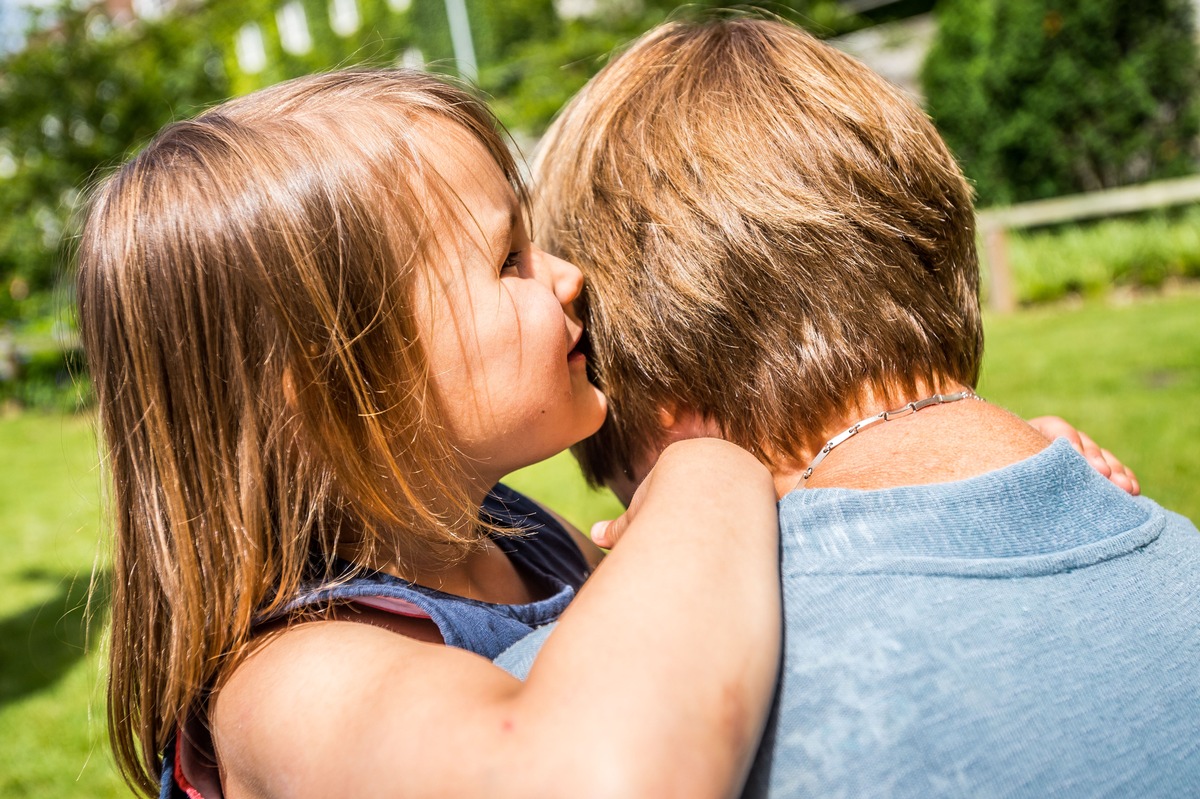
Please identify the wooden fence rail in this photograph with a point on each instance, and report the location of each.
(994, 223)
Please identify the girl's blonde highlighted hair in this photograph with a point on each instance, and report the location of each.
(246, 301)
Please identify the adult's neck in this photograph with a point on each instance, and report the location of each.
(940, 443)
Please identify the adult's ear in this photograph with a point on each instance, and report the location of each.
(676, 423)
(679, 424)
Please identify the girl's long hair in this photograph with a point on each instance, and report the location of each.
(246, 293)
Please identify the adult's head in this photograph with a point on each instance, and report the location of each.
(768, 229)
(251, 289)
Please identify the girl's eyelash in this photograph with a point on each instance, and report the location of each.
(512, 261)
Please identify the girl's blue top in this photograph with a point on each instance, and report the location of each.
(546, 555)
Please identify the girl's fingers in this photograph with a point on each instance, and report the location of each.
(1101, 460)
(600, 534)
(1053, 427)
(1122, 476)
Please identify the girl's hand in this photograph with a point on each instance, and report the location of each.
(676, 474)
(1102, 460)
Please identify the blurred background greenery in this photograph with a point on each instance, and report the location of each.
(1037, 98)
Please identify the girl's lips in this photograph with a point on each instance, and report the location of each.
(579, 349)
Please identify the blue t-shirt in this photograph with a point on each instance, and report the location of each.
(1030, 632)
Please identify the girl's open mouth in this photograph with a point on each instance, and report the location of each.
(581, 349)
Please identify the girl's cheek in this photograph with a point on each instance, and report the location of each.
(542, 313)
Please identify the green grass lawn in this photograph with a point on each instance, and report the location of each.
(1128, 374)
(51, 708)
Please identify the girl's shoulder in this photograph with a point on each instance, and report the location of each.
(540, 545)
(302, 708)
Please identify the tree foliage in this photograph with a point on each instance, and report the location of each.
(85, 92)
(534, 76)
(72, 102)
(1039, 98)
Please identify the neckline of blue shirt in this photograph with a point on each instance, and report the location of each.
(1041, 515)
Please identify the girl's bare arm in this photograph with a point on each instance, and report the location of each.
(656, 682)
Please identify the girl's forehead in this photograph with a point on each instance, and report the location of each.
(464, 172)
(469, 160)
(456, 153)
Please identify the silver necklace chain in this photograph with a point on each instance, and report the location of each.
(886, 416)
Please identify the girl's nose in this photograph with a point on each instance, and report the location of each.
(567, 279)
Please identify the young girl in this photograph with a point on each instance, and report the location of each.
(319, 336)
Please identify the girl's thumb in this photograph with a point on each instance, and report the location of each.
(605, 534)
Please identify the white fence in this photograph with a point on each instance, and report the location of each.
(994, 223)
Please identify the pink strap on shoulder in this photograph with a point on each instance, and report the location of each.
(187, 763)
(388, 604)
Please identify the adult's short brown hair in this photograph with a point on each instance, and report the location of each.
(767, 228)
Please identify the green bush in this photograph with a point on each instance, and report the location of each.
(1091, 258)
(72, 103)
(1039, 98)
(49, 379)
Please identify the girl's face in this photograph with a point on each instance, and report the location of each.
(500, 328)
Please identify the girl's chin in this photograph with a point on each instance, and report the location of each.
(594, 423)
(591, 413)
(602, 411)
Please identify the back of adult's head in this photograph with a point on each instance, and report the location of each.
(767, 228)
(248, 288)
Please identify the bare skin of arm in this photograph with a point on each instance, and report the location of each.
(341, 708)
